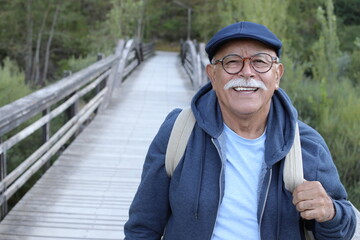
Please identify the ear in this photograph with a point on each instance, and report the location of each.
(278, 74)
(210, 70)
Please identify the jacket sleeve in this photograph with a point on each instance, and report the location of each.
(150, 209)
(317, 156)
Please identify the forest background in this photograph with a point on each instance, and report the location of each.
(40, 40)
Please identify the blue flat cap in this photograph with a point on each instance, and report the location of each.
(243, 30)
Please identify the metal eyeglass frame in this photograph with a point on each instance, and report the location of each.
(274, 60)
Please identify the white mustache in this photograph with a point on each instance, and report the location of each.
(242, 82)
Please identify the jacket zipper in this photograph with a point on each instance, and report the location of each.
(265, 200)
(220, 185)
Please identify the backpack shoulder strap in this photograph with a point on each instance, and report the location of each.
(294, 172)
(293, 166)
(356, 235)
(178, 140)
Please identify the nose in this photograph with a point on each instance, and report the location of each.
(247, 71)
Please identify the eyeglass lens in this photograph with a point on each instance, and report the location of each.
(261, 63)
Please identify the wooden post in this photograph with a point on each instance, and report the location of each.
(73, 109)
(46, 131)
(141, 52)
(115, 76)
(3, 172)
(100, 56)
(46, 127)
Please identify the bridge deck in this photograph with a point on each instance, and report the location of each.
(87, 192)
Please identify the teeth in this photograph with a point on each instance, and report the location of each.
(245, 89)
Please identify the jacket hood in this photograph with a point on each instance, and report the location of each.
(281, 121)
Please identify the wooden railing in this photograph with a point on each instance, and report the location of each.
(194, 60)
(78, 97)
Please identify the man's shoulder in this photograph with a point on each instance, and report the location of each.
(309, 133)
(166, 127)
(172, 115)
(311, 138)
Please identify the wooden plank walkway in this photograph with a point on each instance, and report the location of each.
(87, 192)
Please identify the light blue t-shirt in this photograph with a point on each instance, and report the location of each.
(237, 215)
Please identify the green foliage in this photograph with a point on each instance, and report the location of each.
(348, 11)
(208, 21)
(293, 80)
(357, 43)
(229, 11)
(272, 13)
(22, 26)
(75, 64)
(124, 20)
(326, 49)
(168, 24)
(347, 36)
(354, 193)
(12, 86)
(352, 69)
(302, 27)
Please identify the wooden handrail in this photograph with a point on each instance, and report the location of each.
(53, 100)
(194, 60)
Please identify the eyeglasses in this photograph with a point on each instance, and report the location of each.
(233, 63)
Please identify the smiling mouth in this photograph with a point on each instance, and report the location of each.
(245, 89)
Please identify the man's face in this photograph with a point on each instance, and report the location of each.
(239, 102)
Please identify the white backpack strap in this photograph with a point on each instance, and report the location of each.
(294, 172)
(293, 167)
(357, 230)
(178, 140)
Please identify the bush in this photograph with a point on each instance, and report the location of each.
(341, 130)
(12, 83)
(353, 71)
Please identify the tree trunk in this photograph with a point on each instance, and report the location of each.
(140, 23)
(35, 77)
(47, 53)
(28, 45)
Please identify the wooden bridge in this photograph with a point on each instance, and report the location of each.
(87, 191)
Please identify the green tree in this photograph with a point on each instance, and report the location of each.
(326, 50)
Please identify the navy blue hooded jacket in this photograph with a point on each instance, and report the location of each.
(185, 206)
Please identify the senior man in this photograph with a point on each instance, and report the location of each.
(229, 183)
